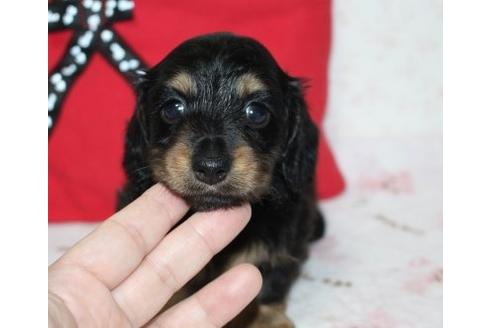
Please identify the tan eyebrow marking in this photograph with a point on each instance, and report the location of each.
(183, 82)
(247, 84)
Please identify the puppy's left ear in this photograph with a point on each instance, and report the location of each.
(299, 158)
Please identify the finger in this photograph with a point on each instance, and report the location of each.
(177, 258)
(116, 248)
(217, 303)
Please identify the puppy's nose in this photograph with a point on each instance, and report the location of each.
(211, 170)
(211, 161)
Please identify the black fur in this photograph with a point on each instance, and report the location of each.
(285, 216)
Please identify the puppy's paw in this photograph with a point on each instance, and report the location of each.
(272, 316)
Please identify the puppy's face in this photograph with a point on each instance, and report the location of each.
(215, 117)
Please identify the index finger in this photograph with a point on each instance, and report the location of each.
(116, 248)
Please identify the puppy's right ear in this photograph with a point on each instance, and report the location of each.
(141, 86)
(137, 134)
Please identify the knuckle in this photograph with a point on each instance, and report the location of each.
(164, 271)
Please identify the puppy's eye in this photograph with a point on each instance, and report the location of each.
(172, 111)
(257, 115)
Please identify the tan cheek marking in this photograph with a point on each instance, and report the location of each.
(184, 83)
(245, 169)
(248, 84)
(172, 167)
(246, 173)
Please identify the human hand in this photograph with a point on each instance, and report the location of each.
(124, 272)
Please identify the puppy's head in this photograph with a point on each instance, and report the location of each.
(222, 124)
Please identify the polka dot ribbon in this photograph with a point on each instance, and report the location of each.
(91, 21)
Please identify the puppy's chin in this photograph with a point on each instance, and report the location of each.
(210, 201)
(202, 198)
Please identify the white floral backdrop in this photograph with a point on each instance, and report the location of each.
(380, 265)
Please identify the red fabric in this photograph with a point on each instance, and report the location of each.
(86, 147)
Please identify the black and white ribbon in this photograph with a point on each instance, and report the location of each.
(91, 21)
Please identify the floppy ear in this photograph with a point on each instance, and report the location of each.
(299, 158)
(141, 85)
(137, 139)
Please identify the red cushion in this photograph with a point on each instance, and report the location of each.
(86, 146)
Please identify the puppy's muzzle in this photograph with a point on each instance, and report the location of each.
(211, 161)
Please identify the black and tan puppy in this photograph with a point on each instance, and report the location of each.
(220, 123)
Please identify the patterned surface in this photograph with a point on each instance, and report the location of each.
(380, 265)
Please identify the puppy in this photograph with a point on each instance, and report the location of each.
(220, 123)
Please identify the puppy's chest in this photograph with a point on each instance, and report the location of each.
(253, 251)
(266, 240)
(257, 252)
